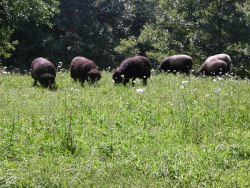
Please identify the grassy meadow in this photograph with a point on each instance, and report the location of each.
(178, 131)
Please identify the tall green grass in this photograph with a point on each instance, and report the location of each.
(178, 131)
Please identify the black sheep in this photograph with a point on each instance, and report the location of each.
(82, 69)
(43, 71)
(224, 57)
(176, 63)
(212, 68)
(133, 67)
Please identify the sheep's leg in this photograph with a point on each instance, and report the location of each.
(125, 81)
(35, 83)
(144, 80)
(82, 82)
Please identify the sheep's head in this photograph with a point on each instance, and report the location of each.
(47, 80)
(94, 75)
(117, 76)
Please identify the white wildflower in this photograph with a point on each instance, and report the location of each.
(217, 90)
(220, 78)
(60, 64)
(184, 82)
(140, 91)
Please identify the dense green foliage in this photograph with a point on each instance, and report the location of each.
(178, 131)
(14, 13)
(108, 31)
(88, 28)
(197, 28)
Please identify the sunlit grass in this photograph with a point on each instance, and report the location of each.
(178, 131)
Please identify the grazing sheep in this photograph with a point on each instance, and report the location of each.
(43, 71)
(82, 69)
(176, 63)
(224, 57)
(212, 68)
(133, 67)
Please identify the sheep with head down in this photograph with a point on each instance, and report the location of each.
(176, 63)
(212, 68)
(132, 68)
(43, 71)
(224, 57)
(83, 69)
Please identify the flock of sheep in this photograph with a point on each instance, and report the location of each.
(83, 69)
